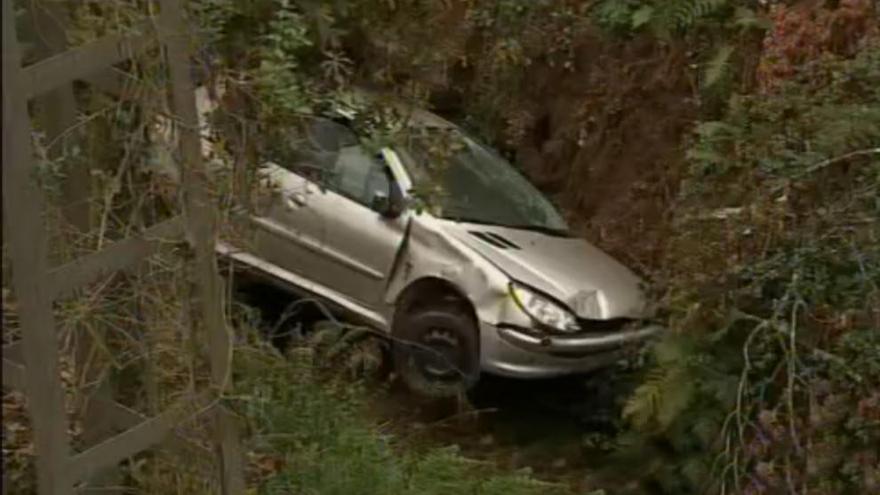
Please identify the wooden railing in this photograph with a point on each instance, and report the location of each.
(31, 364)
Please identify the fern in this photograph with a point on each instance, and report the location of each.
(746, 18)
(617, 15)
(679, 16)
(718, 66)
(706, 429)
(641, 407)
(696, 470)
(658, 402)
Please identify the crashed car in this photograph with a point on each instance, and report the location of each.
(488, 279)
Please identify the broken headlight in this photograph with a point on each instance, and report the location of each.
(543, 309)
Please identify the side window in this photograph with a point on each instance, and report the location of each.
(359, 176)
(329, 154)
(312, 149)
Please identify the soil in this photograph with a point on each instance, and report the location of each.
(607, 141)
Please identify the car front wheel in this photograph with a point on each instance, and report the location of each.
(436, 351)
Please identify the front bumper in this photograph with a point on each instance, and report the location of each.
(509, 351)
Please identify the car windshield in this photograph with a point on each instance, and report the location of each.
(473, 183)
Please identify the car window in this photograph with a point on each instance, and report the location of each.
(358, 175)
(477, 185)
(329, 154)
(312, 148)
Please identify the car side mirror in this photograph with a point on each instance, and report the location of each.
(389, 204)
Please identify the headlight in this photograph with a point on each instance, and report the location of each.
(543, 309)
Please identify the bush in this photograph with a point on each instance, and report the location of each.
(769, 380)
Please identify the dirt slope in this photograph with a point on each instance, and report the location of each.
(607, 141)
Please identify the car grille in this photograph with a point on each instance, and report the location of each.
(612, 325)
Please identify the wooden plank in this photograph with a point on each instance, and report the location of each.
(13, 371)
(201, 230)
(23, 202)
(201, 221)
(231, 458)
(97, 427)
(134, 440)
(118, 256)
(59, 113)
(13, 351)
(110, 81)
(123, 418)
(80, 62)
(13, 375)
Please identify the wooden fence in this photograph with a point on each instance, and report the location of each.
(31, 364)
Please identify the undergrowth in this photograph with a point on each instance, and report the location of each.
(768, 382)
(310, 435)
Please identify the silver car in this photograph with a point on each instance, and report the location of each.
(486, 279)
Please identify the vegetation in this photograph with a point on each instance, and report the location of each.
(310, 435)
(771, 275)
(728, 149)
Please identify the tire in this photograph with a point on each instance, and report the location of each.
(436, 351)
(352, 352)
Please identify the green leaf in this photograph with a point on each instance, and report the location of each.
(641, 407)
(695, 470)
(717, 66)
(671, 350)
(713, 129)
(642, 16)
(706, 429)
(747, 19)
(677, 393)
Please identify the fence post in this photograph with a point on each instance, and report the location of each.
(59, 115)
(28, 252)
(201, 232)
(36, 287)
(59, 111)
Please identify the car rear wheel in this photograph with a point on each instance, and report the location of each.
(436, 351)
(354, 351)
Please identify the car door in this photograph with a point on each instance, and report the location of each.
(291, 231)
(360, 240)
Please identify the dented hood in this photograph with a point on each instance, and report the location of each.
(593, 284)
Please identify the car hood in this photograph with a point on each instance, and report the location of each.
(593, 284)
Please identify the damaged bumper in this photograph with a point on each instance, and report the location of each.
(515, 352)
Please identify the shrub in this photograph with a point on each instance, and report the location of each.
(768, 381)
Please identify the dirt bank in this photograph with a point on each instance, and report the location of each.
(607, 141)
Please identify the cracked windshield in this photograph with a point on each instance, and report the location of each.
(475, 184)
